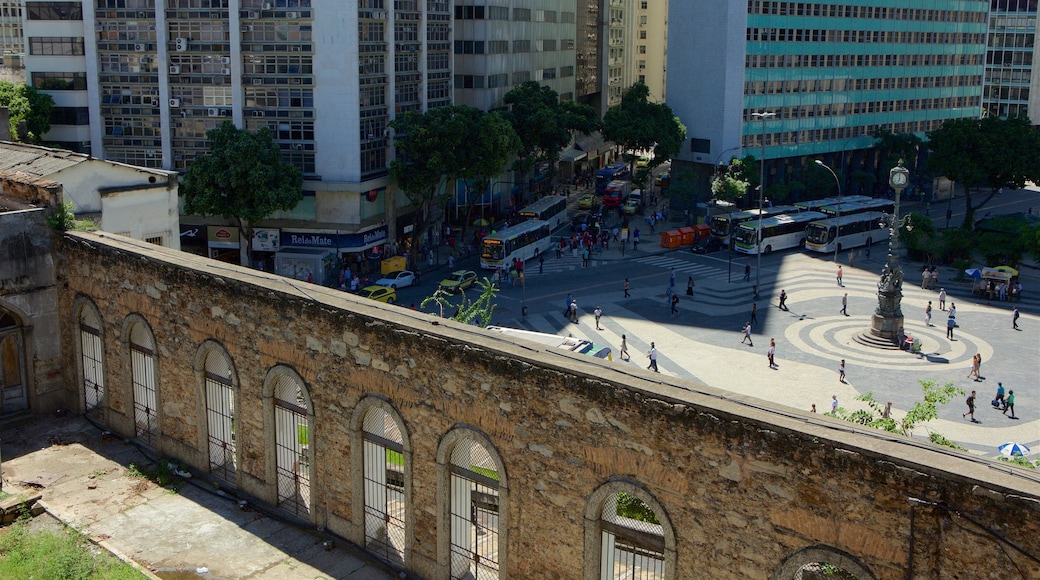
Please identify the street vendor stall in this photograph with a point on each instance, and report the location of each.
(987, 283)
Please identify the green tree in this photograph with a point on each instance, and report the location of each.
(735, 180)
(30, 111)
(893, 147)
(639, 124)
(544, 124)
(243, 178)
(491, 144)
(477, 311)
(927, 409)
(990, 152)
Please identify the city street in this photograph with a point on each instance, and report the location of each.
(703, 343)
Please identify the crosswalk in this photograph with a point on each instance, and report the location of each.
(698, 271)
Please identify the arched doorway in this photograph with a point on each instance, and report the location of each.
(475, 511)
(822, 563)
(144, 379)
(220, 395)
(293, 443)
(13, 372)
(385, 477)
(92, 365)
(627, 534)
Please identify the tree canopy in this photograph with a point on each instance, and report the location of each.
(991, 152)
(30, 111)
(638, 124)
(544, 123)
(243, 178)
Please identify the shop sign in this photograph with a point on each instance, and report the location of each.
(266, 239)
(309, 239)
(193, 236)
(222, 237)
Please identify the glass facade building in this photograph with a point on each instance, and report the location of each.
(1009, 58)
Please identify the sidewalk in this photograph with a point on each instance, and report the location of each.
(85, 482)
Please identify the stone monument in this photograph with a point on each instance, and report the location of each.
(888, 316)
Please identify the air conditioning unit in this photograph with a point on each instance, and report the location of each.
(155, 102)
(254, 15)
(213, 112)
(295, 81)
(175, 69)
(225, 71)
(150, 153)
(267, 6)
(246, 28)
(174, 103)
(379, 15)
(182, 44)
(292, 15)
(297, 49)
(297, 147)
(99, 27)
(225, 60)
(135, 69)
(225, 112)
(258, 113)
(258, 81)
(140, 47)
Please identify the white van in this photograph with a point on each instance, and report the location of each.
(636, 196)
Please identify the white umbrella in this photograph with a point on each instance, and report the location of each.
(1013, 450)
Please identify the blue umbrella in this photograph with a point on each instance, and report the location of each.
(1013, 450)
(974, 272)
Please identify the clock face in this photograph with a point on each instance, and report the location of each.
(898, 179)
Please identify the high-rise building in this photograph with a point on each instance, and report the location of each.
(647, 37)
(831, 72)
(1012, 82)
(11, 40)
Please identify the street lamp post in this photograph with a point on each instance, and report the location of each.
(837, 228)
(888, 316)
(761, 192)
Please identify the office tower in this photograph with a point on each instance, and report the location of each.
(11, 39)
(1010, 76)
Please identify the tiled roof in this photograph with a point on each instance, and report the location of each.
(36, 161)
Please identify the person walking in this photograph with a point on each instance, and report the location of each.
(852, 257)
(689, 287)
(925, 278)
(839, 277)
(747, 272)
(949, 327)
(834, 404)
(627, 287)
(574, 311)
(771, 353)
(1014, 319)
(928, 314)
(652, 355)
(841, 371)
(942, 298)
(971, 408)
(671, 278)
(597, 313)
(675, 304)
(998, 399)
(541, 263)
(624, 349)
(783, 300)
(754, 313)
(934, 282)
(1009, 404)
(845, 303)
(747, 334)
(976, 363)
(813, 409)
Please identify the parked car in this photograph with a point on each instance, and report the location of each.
(379, 294)
(587, 201)
(631, 207)
(458, 280)
(707, 245)
(663, 180)
(642, 161)
(398, 279)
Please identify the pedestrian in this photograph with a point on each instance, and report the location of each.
(624, 349)
(675, 304)
(928, 314)
(747, 334)
(627, 287)
(971, 408)
(953, 310)
(597, 313)
(585, 258)
(754, 313)
(949, 327)
(887, 413)
(771, 352)
(852, 257)
(747, 272)
(652, 355)
(689, 288)
(839, 276)
(998, 399)
(841, 371)
(1014, 318)
(783, 300)
(1009, 404)
(574, 312)
(813, 409)
(934, 277)
(942, 298)
(834, 404)
(567, 304)
(541, 263)
(925, 277)
(868, 253)
(845, 304)
(671, 278)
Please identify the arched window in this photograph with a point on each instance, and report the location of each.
(476, 508)
(627, 534)
(220, 393)
(385, 477)
(292, 443)
(822, 562)
(144, 378)
(13, 396)
(92, 365)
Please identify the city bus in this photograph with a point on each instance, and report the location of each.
(551, 208)
(851, 207)
(847, 231)
(816, 204)
(779, 232)
(521, 241)
(610, 173)
(724, 224)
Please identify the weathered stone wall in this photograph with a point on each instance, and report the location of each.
(29, 189)
(746, 488)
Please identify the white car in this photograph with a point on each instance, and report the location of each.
(398, 279)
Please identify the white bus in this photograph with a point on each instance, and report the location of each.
(847, 207)
(847, 231)
(522, 241)
(778, 232)
(551, 208)
(723, 225)
(816, 204)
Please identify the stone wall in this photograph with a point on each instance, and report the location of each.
(744, 488)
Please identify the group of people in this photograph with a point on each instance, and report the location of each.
(1002, 291)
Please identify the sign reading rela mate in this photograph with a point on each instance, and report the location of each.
(332, 240)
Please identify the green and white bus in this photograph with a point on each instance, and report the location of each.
(778, 232)
(845, 232)
(522, 241)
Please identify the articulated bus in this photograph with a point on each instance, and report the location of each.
(521, 241)
(610, 173)
(847, 231)
(551, 208)
(722, 225)
(852, 207)
(816, 204)
(779, 232)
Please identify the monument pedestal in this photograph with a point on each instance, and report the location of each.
(886, 326)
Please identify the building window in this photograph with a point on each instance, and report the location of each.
(521, 77)
(566, 71)
(70, 116)
(220, 389)
(520, 46)
(54, 10)
(144, 379)
(469, 13)
(499, 80)
(92, 361)
(56, 45)
(498, 46)
(469, 47)
(625, 527)
(469, 82)
(384, 466)
(60, 81)
(522, 14)
(293, 455)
